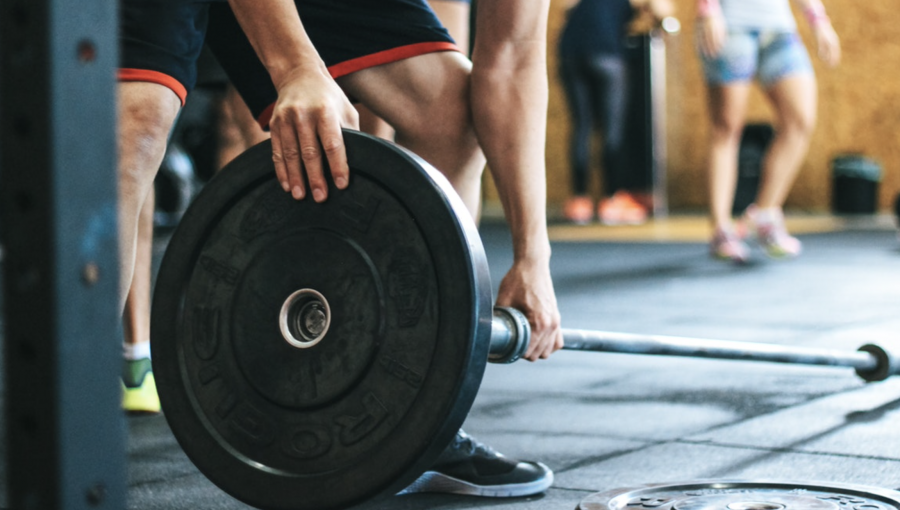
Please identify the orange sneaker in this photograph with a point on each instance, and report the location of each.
(579, 209)
(645, 198)
(621, 209)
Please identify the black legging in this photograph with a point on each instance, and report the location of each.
(597, 91)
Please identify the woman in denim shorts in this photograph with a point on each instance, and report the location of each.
(741, 41)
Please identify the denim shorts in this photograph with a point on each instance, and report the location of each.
(766, 56)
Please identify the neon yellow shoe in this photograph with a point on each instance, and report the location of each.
(139, 387)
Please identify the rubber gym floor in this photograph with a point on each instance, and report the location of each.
(605, 421)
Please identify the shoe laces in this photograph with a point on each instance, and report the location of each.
(471, 446)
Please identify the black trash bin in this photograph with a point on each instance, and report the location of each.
(855, 184)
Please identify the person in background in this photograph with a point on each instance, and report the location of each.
(741, 41)
(595, 80)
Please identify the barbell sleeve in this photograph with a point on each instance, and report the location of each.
(510, 335)
(871, 362)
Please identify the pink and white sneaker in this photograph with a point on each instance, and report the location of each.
(727, 245)
(767, 225)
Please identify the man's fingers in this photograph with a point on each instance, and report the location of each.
(546, 338)
(552, 339)
(335, 152)
(280, 170)
(299, 150)
(311, 154)
(291, 154)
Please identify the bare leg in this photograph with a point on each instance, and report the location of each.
(794, 99)
(373, 124)
(238, 130)
(410, 95)
(727, 107)
(230, 138)
(146, 114)
(136, 319)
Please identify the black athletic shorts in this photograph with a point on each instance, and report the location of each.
(161, 41)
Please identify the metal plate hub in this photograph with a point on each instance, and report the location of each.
(744, 495)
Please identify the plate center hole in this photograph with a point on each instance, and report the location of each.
(304, 319)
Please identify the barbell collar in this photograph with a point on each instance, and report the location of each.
(510, 335)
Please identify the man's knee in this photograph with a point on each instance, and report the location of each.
(425, 97)
(146, 114)
(442, 111)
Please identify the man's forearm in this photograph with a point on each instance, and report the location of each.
(510, 121)
(509, 101)
(277, 34)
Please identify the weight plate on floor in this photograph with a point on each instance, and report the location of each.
(744, 495)
(320, 355)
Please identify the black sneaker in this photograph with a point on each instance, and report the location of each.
(471, 468)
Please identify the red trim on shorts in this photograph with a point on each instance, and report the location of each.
(388, 56)
(375, 59)
(154, 77)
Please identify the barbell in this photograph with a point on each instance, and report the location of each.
(318, 356)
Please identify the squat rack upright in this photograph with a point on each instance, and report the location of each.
(65, 432)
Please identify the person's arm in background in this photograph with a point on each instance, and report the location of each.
(509, 107)
(827, 42)
(311, 108)
(711, 27)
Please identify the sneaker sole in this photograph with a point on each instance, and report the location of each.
(143, 399)
(432, 481)
(776, 253)
(734, 260)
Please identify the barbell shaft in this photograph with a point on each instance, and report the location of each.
(871, 362)
(606, 341)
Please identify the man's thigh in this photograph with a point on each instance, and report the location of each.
(423, 89)
(350, 36)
